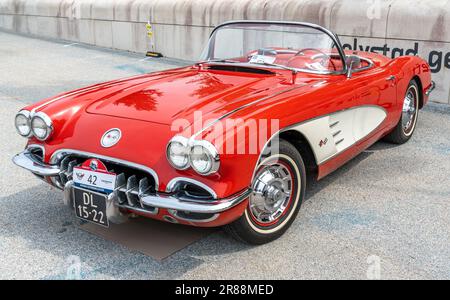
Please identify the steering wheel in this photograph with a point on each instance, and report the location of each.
(323, 54)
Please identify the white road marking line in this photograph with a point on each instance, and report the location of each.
(68, 45)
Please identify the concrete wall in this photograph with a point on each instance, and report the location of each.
(181, 27)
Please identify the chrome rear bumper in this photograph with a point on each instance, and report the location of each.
(171, 201)
(430, 89)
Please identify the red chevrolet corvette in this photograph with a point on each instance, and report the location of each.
(228, 141)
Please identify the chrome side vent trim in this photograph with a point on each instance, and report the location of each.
(336, 133)
(339, 141)
(334, 124)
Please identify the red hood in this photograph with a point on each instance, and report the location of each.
(166, 98)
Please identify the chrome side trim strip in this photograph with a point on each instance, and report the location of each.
(241, 108)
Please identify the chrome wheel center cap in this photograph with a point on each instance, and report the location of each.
(272, 190)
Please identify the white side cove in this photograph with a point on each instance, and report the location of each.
(331, 134)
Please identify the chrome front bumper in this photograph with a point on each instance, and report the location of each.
(32, 163)
(170, 201)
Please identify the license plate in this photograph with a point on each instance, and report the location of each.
(93, 175)
(90, 206)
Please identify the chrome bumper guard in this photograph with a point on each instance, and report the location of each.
(170, 201)
(31, 162)
(430, 89)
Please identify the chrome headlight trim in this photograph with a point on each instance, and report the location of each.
(26, 114)
(48, 123)
(185, 143)
(212, 154)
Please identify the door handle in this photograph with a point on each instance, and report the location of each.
(391, 78)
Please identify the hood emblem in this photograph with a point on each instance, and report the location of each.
(111, 137)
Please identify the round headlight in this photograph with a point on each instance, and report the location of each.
(178, 153)
(41, 125)
(22, 123)
(204, 158)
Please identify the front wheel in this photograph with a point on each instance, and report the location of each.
(278, 191)
(408, 120)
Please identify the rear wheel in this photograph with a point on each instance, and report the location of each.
(408, 120)
(278, 191)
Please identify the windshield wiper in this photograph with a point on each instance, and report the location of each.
(294, 71)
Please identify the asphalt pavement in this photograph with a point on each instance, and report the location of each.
(386, 214)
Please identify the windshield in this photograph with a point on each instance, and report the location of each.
(294, 46)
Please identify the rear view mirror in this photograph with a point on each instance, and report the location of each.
(352, 62)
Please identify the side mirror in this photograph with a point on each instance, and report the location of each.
(352, 61)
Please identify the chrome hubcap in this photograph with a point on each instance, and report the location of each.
(272, 190)
(409, 110)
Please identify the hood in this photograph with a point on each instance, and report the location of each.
(179, 94)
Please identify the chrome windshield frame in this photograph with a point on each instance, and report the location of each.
(328, 32)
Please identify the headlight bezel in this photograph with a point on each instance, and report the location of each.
(185, 143)
(25, 114)
(189, 144)
(212, 154)
(47, 122)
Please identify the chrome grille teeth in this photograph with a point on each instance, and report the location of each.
(132, 191)
(70, 167)
(144, 187)
(65, 164)
(63, 178)
(128, 191)
(121, 183)
(63, 173)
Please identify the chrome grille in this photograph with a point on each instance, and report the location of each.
(131, 183)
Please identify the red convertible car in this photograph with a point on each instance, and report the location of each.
(229, 141)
